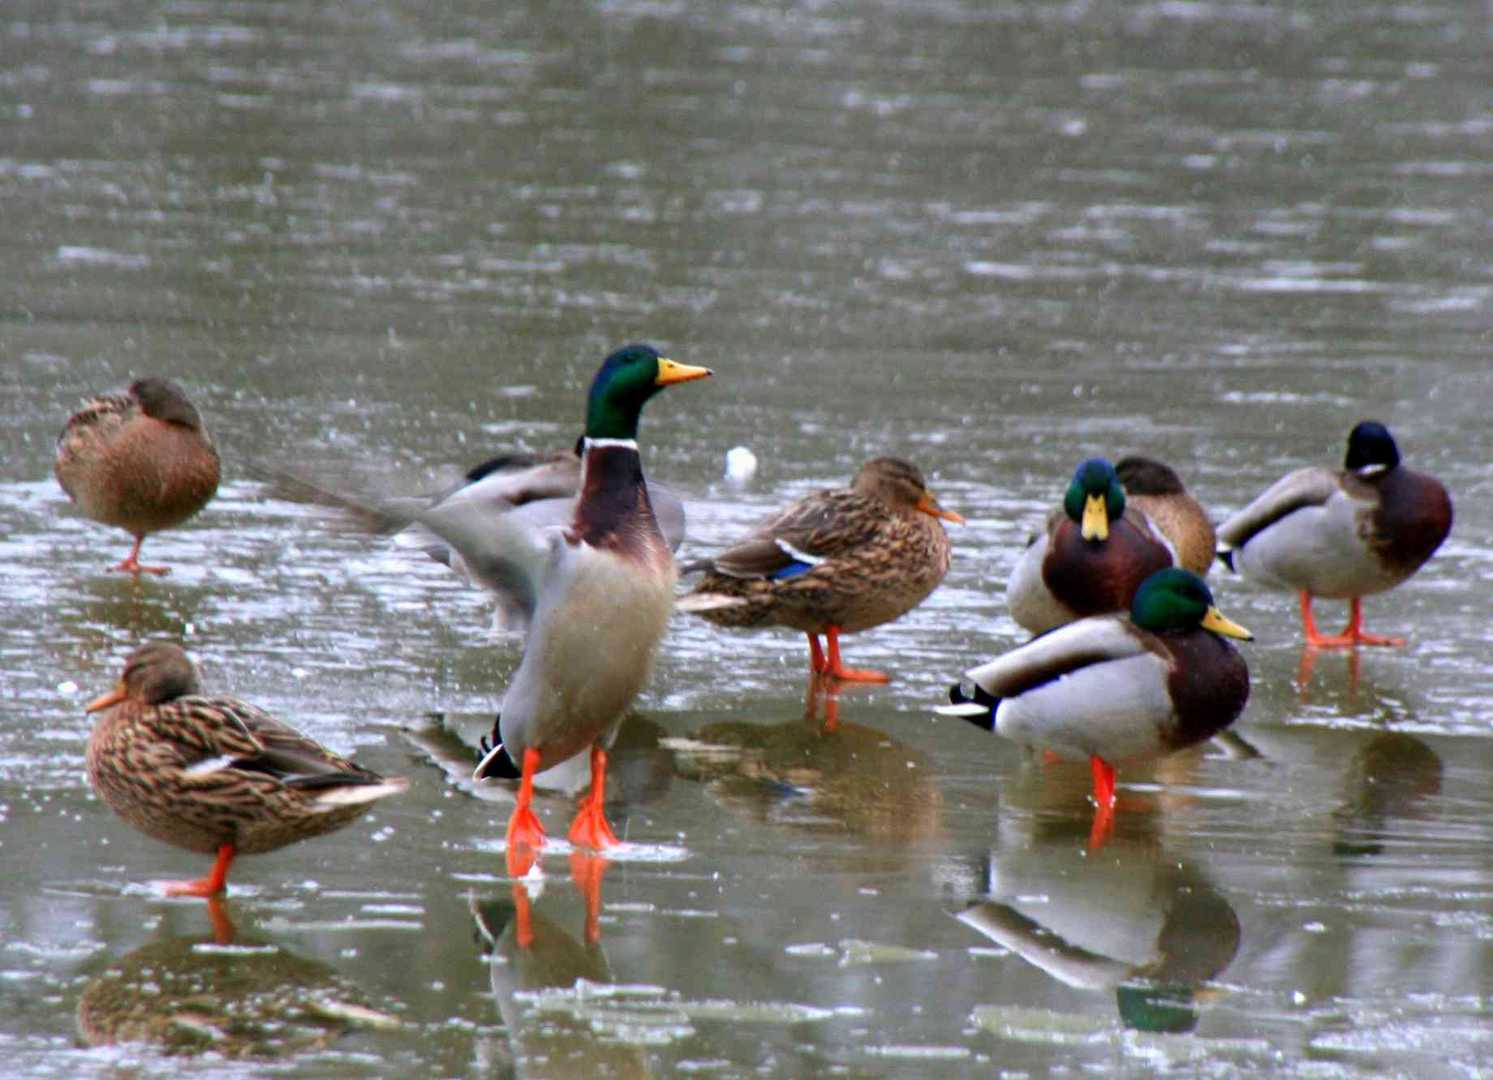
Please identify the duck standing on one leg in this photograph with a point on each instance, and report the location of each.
(141, 460)
(1093, 555)
(1341, 534)
(596, 595)
(833, 563)
(215, 774)
(1112, 687)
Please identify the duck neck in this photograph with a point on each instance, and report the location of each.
(613, 505)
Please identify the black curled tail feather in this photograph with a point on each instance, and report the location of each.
(975, 695)
(496, 763)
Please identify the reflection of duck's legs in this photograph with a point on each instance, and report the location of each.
(1308, 666)
(590, 828)
(523, 917)
(215, 882)
(825, 689)
(587, 871)
(525, 833)
(223, 928)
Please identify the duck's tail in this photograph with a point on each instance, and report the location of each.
(969, 702)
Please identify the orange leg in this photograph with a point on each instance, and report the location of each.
(1104, 802)
(215, 882)
(133, 565)
(1353, 633)
(836, 670)
(1104, 782)
(587, 871)
(525, 833)
(590, 828)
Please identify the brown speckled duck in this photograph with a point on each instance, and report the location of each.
(141, 460)
(1342, 534)
(1157, 491)
(215, 774)
(1091, 558)
(837, 561)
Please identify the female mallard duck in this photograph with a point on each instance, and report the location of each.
(1094, 554)
(596, 595)
(141, 460)
(215, 774)
(835, 562)
(1110, 687)
(1341, 534)
(1157, 492)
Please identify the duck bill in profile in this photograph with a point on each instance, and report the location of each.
(927, 504)
(1095, 524)
(108, 700)
(1220, 623)
(670, 372)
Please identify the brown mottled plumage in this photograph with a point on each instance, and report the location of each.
(141, 460)
(1157, 491)
(837, 561)
(215, 774)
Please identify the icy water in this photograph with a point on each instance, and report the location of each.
(991, 238)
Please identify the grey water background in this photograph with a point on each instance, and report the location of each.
(386, 239)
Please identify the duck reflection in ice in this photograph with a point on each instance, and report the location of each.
(249, 999)
(817, 772)
(1390, 776)
(1130, 920)
(541, 974)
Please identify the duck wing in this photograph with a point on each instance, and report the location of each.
(1057, 653)
(1311, 486)
(828, 525)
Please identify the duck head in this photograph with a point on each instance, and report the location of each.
(1094, 498)
(1177, 600)
(627, 379)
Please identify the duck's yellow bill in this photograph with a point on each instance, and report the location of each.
(1216, 621)
(670, 372)
(929, 505)
(1095, 518)
(113, 697)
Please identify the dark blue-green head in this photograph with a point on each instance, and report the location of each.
(1095, 498)
(1176, 600)
(627, 379)
(1371, 449)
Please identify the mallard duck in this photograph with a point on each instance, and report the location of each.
(215, 774)
(141, 460)
(1093, 555)
(596, 595)
(1157, 491)
(833, 563)
(1341, 534)
(1111, 687)
(540, 489)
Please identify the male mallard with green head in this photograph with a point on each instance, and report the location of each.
(1093, 555)
(1341, 534)
(141, 460)
(595, 593)
(838, 561)
(1113, 687)
(215, 774)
